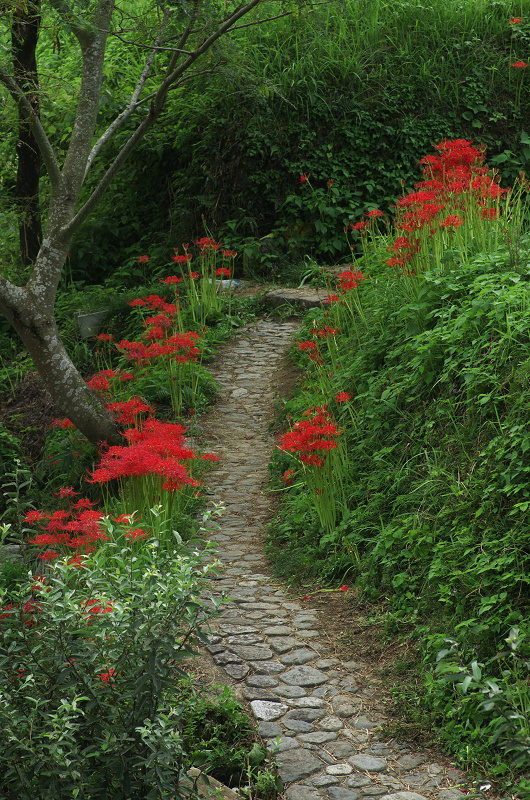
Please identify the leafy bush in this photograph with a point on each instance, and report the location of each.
(91, 665)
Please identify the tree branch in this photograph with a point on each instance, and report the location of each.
(133, 103)
(44, 145)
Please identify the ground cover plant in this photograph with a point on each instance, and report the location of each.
(418, 362)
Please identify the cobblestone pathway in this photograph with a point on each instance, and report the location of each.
(327, 723)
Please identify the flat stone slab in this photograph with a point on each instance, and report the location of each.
(295, 765)
(306, 297)
(267, 710)
(339, 793)
(404, 796)
(304, 676)
(368, 763)
(303, 793)
(251, 652)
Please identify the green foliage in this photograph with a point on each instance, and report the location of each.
(92, 666)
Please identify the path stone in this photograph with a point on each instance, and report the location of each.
(319, 720)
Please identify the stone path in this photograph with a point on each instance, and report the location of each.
(308, 705)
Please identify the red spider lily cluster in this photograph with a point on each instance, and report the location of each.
(456, 187)
(349, 279)
(312, 438)
(312, 350)
(76, 529)
(159, 448)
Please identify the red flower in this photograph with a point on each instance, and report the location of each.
(180, 260)
(172, 278)
(143, 260)
(452, 221)
(228, 253)
(288, 477)
(515, 20)
(222, 272)
(343, 397)
(66, 491)
(343, 588)
(520, 65)
(107, 676)
(104, 337)
(305, 177)
(330, 183)
(62, 423)
(375, 213)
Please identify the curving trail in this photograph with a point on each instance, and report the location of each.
(326, 715)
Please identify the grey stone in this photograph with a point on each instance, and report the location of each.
(266, 710)
(263, 681)
(245, 638)
(339, 769)
(324, 691)
(404, 796)
(295, 765)
(306, 714)
(304, 676)
(227, 658)
(331, 724)
(270, 729)
(237, 671)
(291, 692)
(357, 781)
(309, 702)
(301, 656)
(410, 762)
(343, 707)
(267, 667)
(324, 780)
(305, 618)
(257, 606)
(298, 725)
(368, 763)
(319, 737)
(311, 634)
(326, 663)
(340, 749)
(250, 653)
(374, 791)
(300, 792)
(255, 693)
(284, 743)
(339, 793)
(364, 724)
(277, 630)
(451, 794)
(281, 644)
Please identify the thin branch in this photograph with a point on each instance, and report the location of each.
(278, 16)
(133, 103)
(44, 145)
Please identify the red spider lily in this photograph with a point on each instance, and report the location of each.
(330, 183)
(107, 677)
(222, 272)
(128, 411)
(143, 260)
(332, 298)
(360, 226)
(312, 351)
(104, 337)
(350, 280)
(207, 244)
(452, 221)
(137, 533)
(343, 397)
(158, 449)
(324, 331)
(173, 279)
(288, 477)
(519, 65)
(311, 437)
(62, 423)
(100, 383)
(76, 529)
(343, 588)
(180, 260)
(66, 491)
(374, 213)
(515, 20)
(228, 253)
(304, 178)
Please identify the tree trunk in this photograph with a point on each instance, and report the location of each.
(37, 328)
(24, 38)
